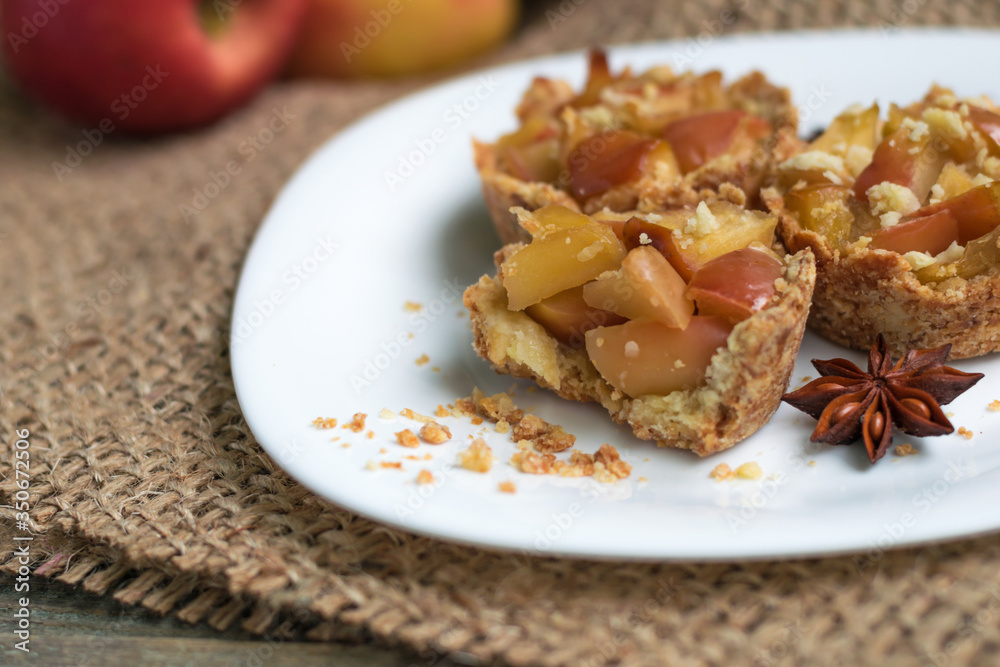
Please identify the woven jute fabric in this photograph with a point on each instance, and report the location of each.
(146, 483)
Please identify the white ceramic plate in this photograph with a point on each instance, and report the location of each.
(320, 330)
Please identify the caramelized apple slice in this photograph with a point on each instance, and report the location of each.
(559, 261)
(823, 209)
(980, 255)
(645, 287)
(849, 129)
(931, 234)
(699, 139)
(644, 357)
(988, 123)
(552, 218)
(736, 285)
(900, 159)
(568, 317)
(637, 232)
(599, 77)
(688, 239)
(531, 153)
(977, 211)
(605, 160)
(954, 181)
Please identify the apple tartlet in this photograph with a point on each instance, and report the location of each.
(635, 142)
(683, 324)
(902, 216)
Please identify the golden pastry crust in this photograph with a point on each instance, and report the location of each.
(867, 292)
(747, 169)
(744, 382)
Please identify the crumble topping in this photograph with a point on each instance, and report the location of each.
(407, 439)
(749, 470)
(721, 472)
(386, 414)
(324, 422)
(994, 406)
(357, 423)
(435, 433)
(507, 487)
(422, 360)
(905, 449)
(965, 433)
(425, 477)
(703, 223)
(478, 457)
(413, 306)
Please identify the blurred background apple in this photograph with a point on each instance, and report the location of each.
(355, 38)
(165, 65)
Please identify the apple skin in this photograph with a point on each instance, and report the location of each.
(385, 38)
(149, 67)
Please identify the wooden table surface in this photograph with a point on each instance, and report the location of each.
(72, 627)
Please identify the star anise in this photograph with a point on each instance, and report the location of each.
(852, 404)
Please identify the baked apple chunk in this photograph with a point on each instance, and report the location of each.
(902, 214)
(630, 142)
(683, 324)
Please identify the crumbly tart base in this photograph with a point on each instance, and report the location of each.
(744, 381)
(868, 292)
(748, 172)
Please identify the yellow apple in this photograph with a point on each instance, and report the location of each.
(356, 38)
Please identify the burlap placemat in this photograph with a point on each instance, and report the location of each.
(146, 483)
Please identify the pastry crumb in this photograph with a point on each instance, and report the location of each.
(965, 433)
(371, 465)
(435, 369)
(435, 433)
(425, 477)
(346, 445)
(994, 406)
(324, 422)
(407, 439)
(387, 414)
(422, 360)
(502, 427)
(721, 472)
(643, 479)
(478, 457)
(391, 464)
(905, 449)
(413, 306)
(442, 412)
(476, 421)
(370, 435)
(357, 423)
(806, 378)
(507, 487)
(749, 470)
(383, 450)
(415, 416)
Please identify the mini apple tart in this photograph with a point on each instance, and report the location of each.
(635, 142)
(683, 324)
(902, 216)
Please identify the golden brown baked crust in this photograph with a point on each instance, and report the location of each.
(744, 382)
(867, 292)
(747, 171)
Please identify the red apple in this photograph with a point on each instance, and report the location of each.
(702, 138)
(646, 357)
(976, 212)
(145, 67)
(568, 317)
(894, 162)
(605, 160)
(931, 234)
(735, 285)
